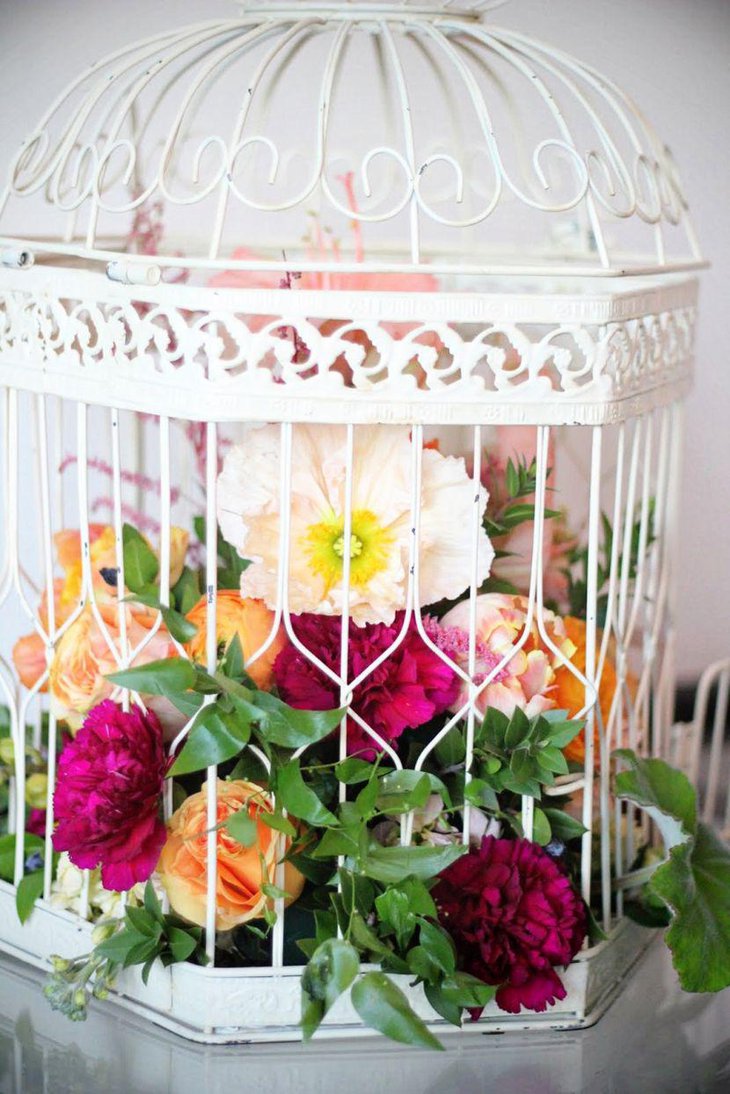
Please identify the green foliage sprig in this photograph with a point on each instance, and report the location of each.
(693, 883)
(577, 570)
(145, 935)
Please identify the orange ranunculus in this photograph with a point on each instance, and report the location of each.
(83, 659)
(29, 658)
(569, 693)
(29, 652)
(251, 620)
(103, 556)
(183, 862)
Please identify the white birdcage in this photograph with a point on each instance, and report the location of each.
(357, 215)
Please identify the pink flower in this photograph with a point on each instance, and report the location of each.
(107, 795)
(36, 822)
(527, 679)
(513, 915)
(409, 688)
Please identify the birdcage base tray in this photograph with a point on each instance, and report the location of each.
(220, 1006)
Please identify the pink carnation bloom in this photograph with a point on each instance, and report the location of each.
(107, 795)
(513, 915)
(36, 822)
(526, 680)
(411, 686)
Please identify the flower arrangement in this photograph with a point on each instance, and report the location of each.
(372, 763)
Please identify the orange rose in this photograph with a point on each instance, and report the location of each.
(251, 620)
(83, 659)
(240, 875)
(569, 693)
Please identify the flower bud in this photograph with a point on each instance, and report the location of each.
(59, 964)
(7, 750)
(80, 998)
(102, 931)
(36, 789)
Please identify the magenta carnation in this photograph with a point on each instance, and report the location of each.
(107, 796)
(409, 688)
(513, 915)
(36, 822)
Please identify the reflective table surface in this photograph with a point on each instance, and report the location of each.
(653, 1040)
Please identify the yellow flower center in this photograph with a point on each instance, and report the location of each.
(324, 547)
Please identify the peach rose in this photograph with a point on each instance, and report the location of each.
(83, 659)
(182, 867)
(251, 620)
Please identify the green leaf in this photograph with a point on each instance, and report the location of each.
(401, 791)
(657, 786)
(329, 972)
(419, 898)
(167, 677)
(117, 947)
(187, 702)
(467, 991)
(353, 770)
(152, 904)
(439, 945)
(367, 799)
(186, 592)
(480, 793)
(541, 830)
(281, 725)
(142, 921)
(242, 827)
(493, 729)
(357, 891)
(393, 864)
(384, 1007)
(29, 890)
(214, 738)
(366, 939)
(552, 759)
(451, 751)
(182, 945)
(562, 733)
(518, 729)
(141, 952)
(394, 913)
(695, 884)
(335, 843)
(564, 827)
(233, 662)
(299, 799)
(448, 1010)
(278, 823)
(181, 629)
(140, 561)
(512, 479)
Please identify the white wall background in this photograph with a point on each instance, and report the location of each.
(673, 56)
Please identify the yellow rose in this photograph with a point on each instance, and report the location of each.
(251, 620)
(183, 863)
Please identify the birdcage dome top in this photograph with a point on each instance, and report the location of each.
(320, 135)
